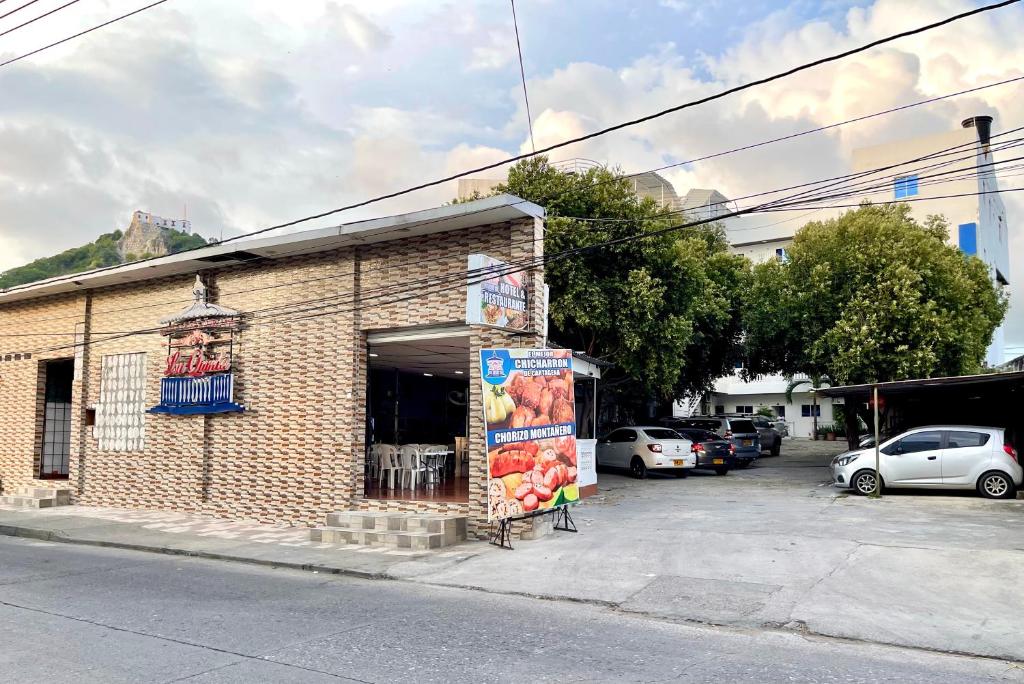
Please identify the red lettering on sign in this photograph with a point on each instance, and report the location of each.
(196, 365)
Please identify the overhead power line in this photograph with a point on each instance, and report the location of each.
(34, 19)
(80, 33)
(522, 74)
(326, 306)
(589, 136)
(830, 184)
(7, 14)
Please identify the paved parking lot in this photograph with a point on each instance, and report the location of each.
(775, 546)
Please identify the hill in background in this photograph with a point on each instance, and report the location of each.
(147, 236)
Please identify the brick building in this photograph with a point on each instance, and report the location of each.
(309, 324)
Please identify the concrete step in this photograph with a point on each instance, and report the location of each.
(453, 527)
(61, 494)
(366, 537)
(27, 501)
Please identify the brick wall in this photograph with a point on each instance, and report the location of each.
(296, 453)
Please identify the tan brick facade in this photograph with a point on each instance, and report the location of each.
(296, 453)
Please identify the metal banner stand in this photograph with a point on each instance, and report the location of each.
(563, 520)
(503, 536)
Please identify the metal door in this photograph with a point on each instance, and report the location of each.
(56, 442)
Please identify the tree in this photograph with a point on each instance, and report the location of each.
(664, 309)
(816, 382)
(871, 296)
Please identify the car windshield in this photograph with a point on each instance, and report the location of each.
(702, 435)
(662, 433)
(742, 426)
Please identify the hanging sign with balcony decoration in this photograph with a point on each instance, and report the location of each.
(200, 344)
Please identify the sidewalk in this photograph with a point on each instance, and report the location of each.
(207, 537)
(771, 548)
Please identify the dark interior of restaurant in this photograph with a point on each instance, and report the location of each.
(417, 420)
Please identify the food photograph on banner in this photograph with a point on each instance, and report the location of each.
(495, 297)
(530, 420)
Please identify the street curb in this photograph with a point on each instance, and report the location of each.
(800, 629)
(60, 537)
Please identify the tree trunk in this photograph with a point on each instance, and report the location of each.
(814, 414)
(852, 426)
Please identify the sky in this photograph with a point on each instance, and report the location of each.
(249, 113)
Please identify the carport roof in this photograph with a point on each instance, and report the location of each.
(902, 386)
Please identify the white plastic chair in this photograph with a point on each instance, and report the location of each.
(436, 457)
(373, 460)
(387, 462)
(411, 464)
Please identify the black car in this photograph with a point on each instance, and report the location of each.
(713, 452)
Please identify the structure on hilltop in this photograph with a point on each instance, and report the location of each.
(148, 234)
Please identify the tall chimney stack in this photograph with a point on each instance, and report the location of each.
(983, 124)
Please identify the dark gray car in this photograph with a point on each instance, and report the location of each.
(740, 431)
(771, 438)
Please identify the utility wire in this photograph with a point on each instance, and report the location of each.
(506, 271)
(471, 273)
(7, 14)
(604, 131)
(80, 33)
(35, 19)
(522, 74)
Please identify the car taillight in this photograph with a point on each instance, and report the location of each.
(1011, 452)
(656, 448)
(697, 447)
(732, 448)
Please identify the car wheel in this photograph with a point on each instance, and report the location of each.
(721, 471)
(863, 482)
(997, 486)
(638, 468)
(777, 449)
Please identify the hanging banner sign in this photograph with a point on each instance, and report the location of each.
(530, 418)
(494, 297)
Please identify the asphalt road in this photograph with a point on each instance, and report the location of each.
(81, 614)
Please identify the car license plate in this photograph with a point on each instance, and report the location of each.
(718, 461)
(678, 462)
(748, 442)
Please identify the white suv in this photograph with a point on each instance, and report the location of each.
(936, 457)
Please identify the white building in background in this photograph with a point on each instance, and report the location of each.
(978, 227)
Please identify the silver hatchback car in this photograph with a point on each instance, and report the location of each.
(936, 457)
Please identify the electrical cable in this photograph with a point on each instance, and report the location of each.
(604, 131)
(80, 33)
(507, 271)
(462, 274)
(35, 19)
(522, 74)
(16, 9)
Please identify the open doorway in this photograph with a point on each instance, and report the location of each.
(55, 445)
(417, 420)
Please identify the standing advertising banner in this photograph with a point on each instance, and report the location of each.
(499, 301)
(530, 419)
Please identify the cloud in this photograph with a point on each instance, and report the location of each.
(346, 22)
(318, 104)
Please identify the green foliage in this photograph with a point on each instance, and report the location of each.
(765, 411)
(663, 309)
(871, 296)
(98, 254)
